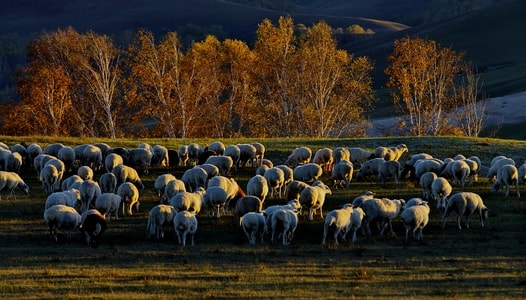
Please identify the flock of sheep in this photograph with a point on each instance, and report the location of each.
(207, 188)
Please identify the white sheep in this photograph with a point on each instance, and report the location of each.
(182, 152)
(414, 202)
(13, 162)
(356, 222)
(210, 169)
(369, 168)
(172, 187)
(72, 181)
(324, 158)
(342, 174)
(52, 149)
(33, 150)
(160, 182)
(61, 168)
(382, 210)
(293, 189)
(159, 217)
(186, 201)
(260, 153)
(130, 197)
(247, 204)
(415, 218)
(140, 158)
(465, 204)
(104, 148)
(195, 178)
(496, 163)
(409, 166)
(427, 165)
(307, 172)
(313, 198)
(440, 190)
(258, 186)
(107, 183)
(93, 226)
(215, 198)
(359, 155)
(233, 152)
(194, 150)
(293, 205)
(253, 225)
(89, 191)
(284, 223)
(288, 173)
(506, 176)
(275, 178)
(522, 172)
(391, 153)
(232, 188)
(389, 169)
(70, 198)
(357, 201)
(108, 203)
(247, 154)
(92, 157)
(336, 221)
(67, 156)
(61, 217)
(426, 180)
(223, 163)
(112, 160)
(85, 172)
(460, 171)
(299, 156)
(11, 181)
(160, 157)
(49, 177)
(125, 173)
(185, 223)
(341, 153)
(218, 147)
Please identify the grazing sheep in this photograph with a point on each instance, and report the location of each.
(389, 169)
(293, 205)
(460, 171)
(260, 153)
(313, 197)
(215, 198)
(172, 187)
(496, 163)
(391, 153)
(11, 181)
(159, 217)
(185, 223)
(268, 163)
(233, 190)
(307, 172)
(104, 148)
(124, 173)
(522, 172)
(299, 156)
(67, 156)
(160, 157)
(194, 150)
(130, 197)
(293, 189)
(506, 175)
(275, 178)
(108, 203)
(415, 218)
(342, 174)
(427, 165)
(186, 201)
(382, 210)
(160, 182)
(426, 180)
(13, 162)
(89, 191)
(233, 152)
(359, 155)
(218, 147)
(414, 202)
(465, 204)
(341, 153)
(253, 225)
(247, 204)
(247, 154)
(356, 222)
(70, 198)
(288, 173)
(49, 176)
(195, 178)
(223, 163)
(93, 226)
(369, 168)
(92, 157)
(262, 169)
(473, 170)
(182, 152)
(441, 189)
(210, 169)
(284, 223)
(112, 160)
(258, 186)
(140, 158)
(324, 158)
(61, 217)
(72, 181)
(357, 201)
(33, 150)
(85, 172)
(409, 166)
(336, 221)
(52, 149)
(61, 168)
(108, 183)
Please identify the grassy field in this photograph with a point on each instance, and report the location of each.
(482, 263)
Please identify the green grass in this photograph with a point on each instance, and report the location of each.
(482, 263)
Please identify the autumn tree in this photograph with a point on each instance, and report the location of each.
(422, 76)
(472, 110)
